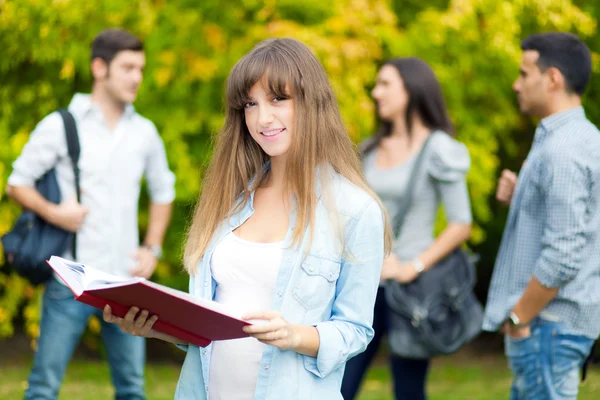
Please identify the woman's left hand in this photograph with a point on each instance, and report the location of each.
(276, 331)
(398, 271)
(407, 273)
(390, 268)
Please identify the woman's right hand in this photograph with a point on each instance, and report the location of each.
(140, 326)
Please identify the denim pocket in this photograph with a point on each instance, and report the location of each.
(524, 360)
(315, 282)
(568, 354)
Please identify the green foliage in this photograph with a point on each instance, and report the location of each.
(190, 48)
(473, 46)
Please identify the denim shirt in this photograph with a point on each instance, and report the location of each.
(331, 287)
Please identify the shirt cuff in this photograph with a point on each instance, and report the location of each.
(550, 278)
(16, 179)
(330, 354)
(163, 197)
(547, 279)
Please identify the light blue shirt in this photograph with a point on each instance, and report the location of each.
(332, 288)
(553, 227)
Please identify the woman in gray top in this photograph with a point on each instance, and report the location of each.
(411, 109)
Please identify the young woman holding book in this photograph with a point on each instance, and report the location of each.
(285, 230)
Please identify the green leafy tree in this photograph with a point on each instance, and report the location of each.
(190, 48)
(473, 46)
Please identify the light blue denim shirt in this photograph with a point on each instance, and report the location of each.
(332, 287)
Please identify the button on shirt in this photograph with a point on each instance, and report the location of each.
(553, 227)
(112, 165)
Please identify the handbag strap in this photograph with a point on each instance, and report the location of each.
(394, 293)
(74, 151)
(406, 200)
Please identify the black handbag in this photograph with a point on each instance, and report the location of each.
(33, 240)
(438, 312)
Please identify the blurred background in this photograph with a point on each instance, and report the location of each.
(473, 46)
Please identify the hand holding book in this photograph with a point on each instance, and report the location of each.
(175, 316)
(140, 326)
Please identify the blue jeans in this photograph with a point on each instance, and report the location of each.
(409, 375)
(63, 322)
(546, 365)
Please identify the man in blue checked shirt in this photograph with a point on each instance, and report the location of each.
(545, 290)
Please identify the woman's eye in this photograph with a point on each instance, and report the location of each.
(278, 99)
(249, 104)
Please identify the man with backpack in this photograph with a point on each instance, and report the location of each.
(117, 148)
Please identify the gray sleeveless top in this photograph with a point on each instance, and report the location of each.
(441, 180)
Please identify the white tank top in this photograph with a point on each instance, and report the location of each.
(245, 273)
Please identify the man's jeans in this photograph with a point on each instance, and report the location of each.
(546, 365)
(63, 322)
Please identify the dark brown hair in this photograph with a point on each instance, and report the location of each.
(108, 43)
(290, 70)
(565, 52)
(424, 98)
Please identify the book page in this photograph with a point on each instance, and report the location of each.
(80, 277)
(71, 273)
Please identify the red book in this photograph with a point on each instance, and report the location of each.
(193, 320)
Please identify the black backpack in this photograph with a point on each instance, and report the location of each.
(33, 240)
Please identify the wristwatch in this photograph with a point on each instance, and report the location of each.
(514, 321)
(418, 265)
(155, 249)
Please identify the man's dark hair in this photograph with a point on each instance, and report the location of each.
(565, 52)
(108, 43)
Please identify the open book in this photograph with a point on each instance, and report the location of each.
(196, 321)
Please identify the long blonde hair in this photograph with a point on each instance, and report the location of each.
(319, 138)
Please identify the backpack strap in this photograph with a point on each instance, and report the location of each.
(74, 151)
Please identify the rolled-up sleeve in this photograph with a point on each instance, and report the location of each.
(161, 181)
(349, 330)
(46, 145)
(566, 187)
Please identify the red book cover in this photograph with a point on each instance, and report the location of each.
(196, 321)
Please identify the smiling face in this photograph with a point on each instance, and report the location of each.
(270, 119)
(390, 94)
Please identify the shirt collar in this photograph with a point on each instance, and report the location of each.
(82, 104)
(557, 120)
(248, 208)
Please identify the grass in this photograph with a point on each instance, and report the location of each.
(451, 378)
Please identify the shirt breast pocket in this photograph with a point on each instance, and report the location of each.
(532, 199)
(316, 281)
